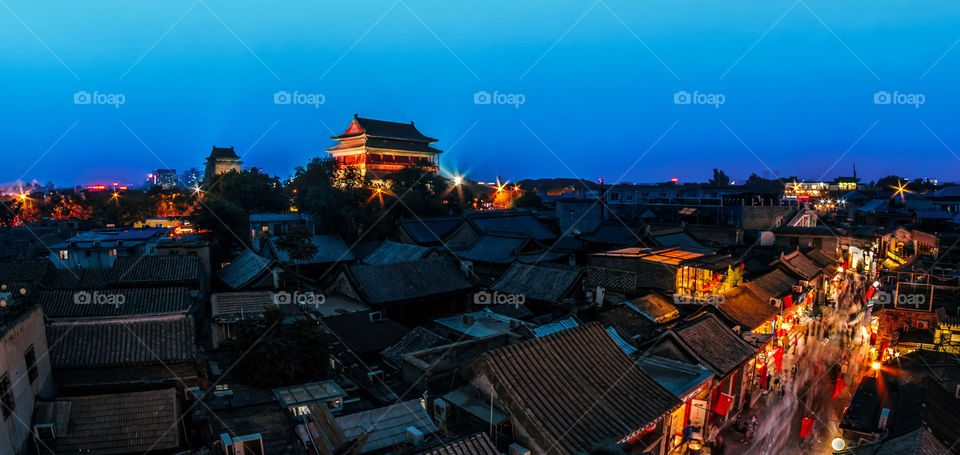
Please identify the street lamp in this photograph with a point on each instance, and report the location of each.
(838, 444)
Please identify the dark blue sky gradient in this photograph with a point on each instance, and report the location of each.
(596, 98)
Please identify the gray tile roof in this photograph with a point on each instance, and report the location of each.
(244, 269)
(710, 340)
(363, 335)
(61, 304)
(574, 388)
(499, 248)
(390, 130)
(388, 283)
(231, 304)
(514, 222)
(157, 269)
(801, 265)
(25, 271)
(418, 339)
(122, 343)
(387, 426)
(745, 307)
(772, 285)
(389, 252)
(330, 249)
(118, 423)
(430, 230)
(547, 284)
(477, 444)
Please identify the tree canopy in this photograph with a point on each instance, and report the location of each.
(272, 353)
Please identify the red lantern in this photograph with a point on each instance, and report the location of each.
(806, 426)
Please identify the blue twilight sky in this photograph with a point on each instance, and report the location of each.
(598, 80)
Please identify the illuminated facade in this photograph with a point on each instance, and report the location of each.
(805, 191)
(378, 147)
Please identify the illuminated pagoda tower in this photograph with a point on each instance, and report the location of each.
(221, 160)
(378, 147)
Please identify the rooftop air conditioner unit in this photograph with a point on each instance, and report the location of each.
(44, 432)
(251, 444)
(466, 267)
(517, 449)
(797, 289)
(804, 283)
(192, 393)
(884, 416)
(376, 316)
(227, 444)
(414, 436)
(441, 409)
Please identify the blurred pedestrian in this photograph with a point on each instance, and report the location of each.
(719, 446)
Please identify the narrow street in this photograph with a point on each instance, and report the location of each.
(829, 345)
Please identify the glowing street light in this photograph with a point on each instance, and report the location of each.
(457, 180)
(838, 444)
(901, 188)
(875, 365)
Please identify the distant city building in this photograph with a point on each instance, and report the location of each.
(380, 147)
(221, 160)
(191, 178)
(165, 178)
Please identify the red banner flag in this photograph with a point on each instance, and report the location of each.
(722, 405)
(763, 376)
(788, 301)
(838, 387)
(778, 359)
(870, 291)
(806, 426)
